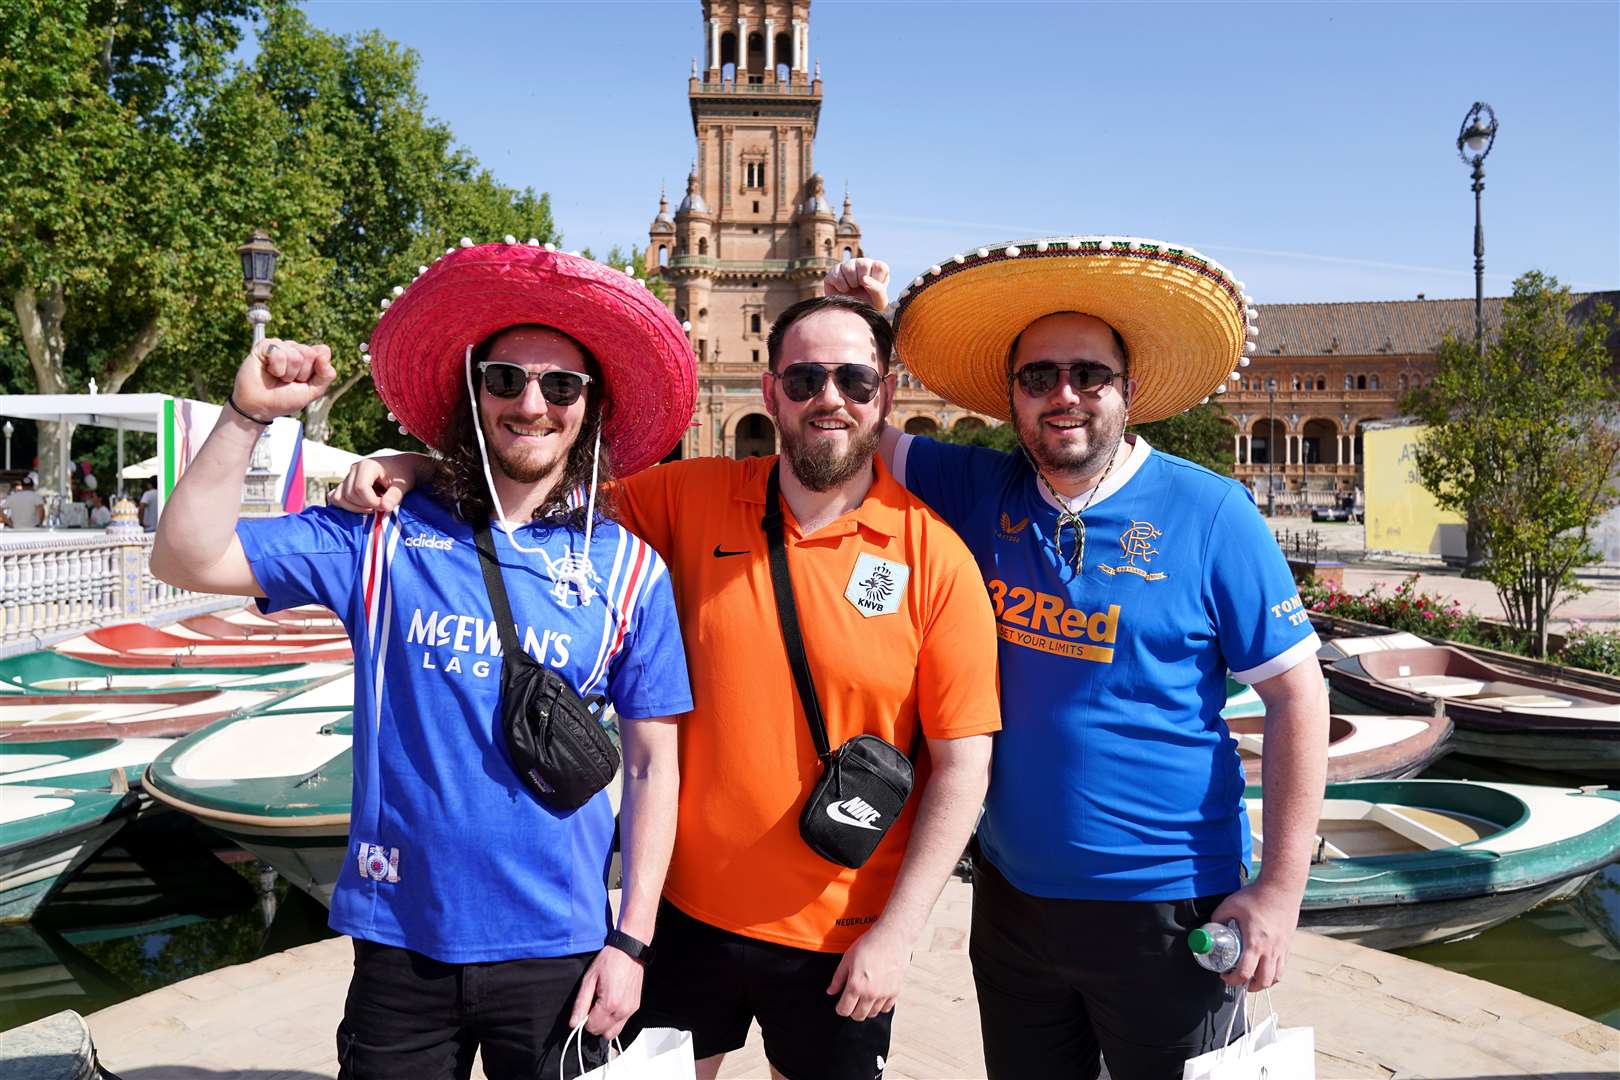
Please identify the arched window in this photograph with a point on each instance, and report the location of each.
(1403, 382)
(784, 57)
(1361, 382)
(753, 323)
(1375, 380)
(827, 247)
(1321, 383)
(703, 245)
(849, 253)
(1349, 381)
(663, 254)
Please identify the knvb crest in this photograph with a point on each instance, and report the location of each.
(1010, 530)
(877, 586)
(1137, 543)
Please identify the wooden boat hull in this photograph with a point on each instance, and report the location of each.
(135, 645)
(52, 673)
(1412, 862)
(45, 835)
(1403, 925)
(1569, 728)
(32, 718)
(277, 784)
(1359, 747)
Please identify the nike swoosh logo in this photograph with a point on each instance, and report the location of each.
(721, 554)
(836, 812)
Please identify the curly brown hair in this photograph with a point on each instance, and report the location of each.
(458, 481)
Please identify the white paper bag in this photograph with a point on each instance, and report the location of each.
(1265, 1052)
(656, 1054)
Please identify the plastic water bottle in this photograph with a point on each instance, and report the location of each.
(1216, 947)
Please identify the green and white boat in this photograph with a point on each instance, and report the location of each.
(78, 763)
(46, 833)
(1411, 862)
(40, 673)
(277, 782)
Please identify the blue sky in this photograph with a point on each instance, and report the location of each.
(1309, 147)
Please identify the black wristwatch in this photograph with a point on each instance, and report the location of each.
(639, 951)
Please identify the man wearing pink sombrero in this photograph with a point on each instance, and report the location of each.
(475, 880)
(1126, 584)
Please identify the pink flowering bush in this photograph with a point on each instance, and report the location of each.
(1405, 609)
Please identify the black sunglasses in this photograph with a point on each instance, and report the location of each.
(509, 380)
(1041, 378)
(801, 382)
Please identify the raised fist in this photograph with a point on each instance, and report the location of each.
(279, 378)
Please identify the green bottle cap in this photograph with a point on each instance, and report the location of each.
(1200, 941)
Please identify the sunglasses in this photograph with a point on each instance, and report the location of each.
(1042, 377)
(801, 382)
(504, 380)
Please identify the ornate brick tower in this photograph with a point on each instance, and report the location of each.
(754, 232)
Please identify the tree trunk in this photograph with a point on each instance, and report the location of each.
(40, 318)
(318, 413)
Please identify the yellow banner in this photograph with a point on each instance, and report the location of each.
(1060, 646)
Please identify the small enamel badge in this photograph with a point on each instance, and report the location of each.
(877, 586)
(378, 863)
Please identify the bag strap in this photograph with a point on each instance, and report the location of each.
(787, 612)
(496, 588)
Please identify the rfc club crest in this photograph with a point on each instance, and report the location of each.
(1137, 543)
(877, 586)
(378, 863)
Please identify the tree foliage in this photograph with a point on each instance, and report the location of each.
(1200, 435)
(1524, 440)
(143, 154)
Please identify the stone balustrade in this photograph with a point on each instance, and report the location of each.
(57, 584)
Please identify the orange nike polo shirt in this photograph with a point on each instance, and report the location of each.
(898, 630)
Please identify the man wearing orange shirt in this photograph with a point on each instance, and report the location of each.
(756, 926)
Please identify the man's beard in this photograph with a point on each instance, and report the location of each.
(1103, 434)
(821, 467)
(526, 468)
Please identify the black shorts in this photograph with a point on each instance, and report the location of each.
(1060, 980)
(713, 983)
(408, 1015)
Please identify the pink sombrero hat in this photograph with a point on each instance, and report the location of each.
(418, 351)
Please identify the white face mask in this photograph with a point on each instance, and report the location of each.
(571, 569)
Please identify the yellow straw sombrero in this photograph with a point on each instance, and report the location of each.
(1187, 324)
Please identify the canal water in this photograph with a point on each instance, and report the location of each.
(153, 909)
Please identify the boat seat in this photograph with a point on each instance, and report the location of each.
(1439, 685)
(1523, 701)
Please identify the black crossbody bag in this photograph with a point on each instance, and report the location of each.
(865, 782)
(553, 736)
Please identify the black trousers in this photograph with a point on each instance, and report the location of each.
(408, 1015)
(1061, 980)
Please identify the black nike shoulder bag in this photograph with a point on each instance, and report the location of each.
(865, 782)
(553, 736)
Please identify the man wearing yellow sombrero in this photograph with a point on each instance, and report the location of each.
(1126, 584)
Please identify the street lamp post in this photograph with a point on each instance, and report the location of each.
(258, 278)
(10, 431)
(1474, 142)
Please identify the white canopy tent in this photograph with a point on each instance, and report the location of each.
(123, 412)
(321, 462)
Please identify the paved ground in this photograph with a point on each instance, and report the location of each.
(1598, 609)
(1375, 1015)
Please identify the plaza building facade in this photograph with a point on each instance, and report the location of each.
(1322, 372)
(754, 231)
